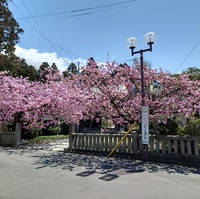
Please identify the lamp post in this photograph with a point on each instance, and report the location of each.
(132, 44)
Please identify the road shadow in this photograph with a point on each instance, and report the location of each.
(110, 167)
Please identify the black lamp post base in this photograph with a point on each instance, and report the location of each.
(145, 152)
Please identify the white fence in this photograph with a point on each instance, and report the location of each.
(181, 147)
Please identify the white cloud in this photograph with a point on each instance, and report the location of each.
(35, 58)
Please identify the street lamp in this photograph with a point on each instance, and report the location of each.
(132, 44)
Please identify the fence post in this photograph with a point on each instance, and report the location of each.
(71, 131)
(182, 147)
(189, 149)
(18, 132)
(175, 147)
(196, 148)
(169, 147)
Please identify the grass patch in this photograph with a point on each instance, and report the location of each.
(46, 139)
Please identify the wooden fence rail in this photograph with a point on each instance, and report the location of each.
(8, 138)
(169, 146)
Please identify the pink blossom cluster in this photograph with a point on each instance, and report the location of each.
(109, 96)
(96, 92)
(30, 102)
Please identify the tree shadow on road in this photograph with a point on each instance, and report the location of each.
(103, 165)
(100, 164)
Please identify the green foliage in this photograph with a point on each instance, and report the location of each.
(106, 123)
(193, 72)
(30, 133)
(175, 75)
(24, 70)
(17, 67)
(46, 139)
(54, 67)
(43, 70)
(9, 29)
(55, 130)
(43, 66)
(72, 69)
(181, 130)
(170, 128)
(193, 128)
(64, 128)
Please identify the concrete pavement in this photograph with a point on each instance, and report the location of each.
(45, 172)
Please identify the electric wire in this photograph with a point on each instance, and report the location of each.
(56, 24)
(191, 51)
(44, 36)
(72, 11)
(44, 24)
(187, 56)
(83, 11)
(40, 28)
(111, 8)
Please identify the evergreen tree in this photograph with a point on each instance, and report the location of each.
(43, 66)
(17, 67)
(54, 67)
(9, 29)
(72, 69)
(193, 72)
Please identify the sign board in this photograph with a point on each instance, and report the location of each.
(145, 125)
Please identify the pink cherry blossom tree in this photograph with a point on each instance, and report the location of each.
(109, 97)
(97, 92)
(29, 102)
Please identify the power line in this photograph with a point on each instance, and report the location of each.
(57, 27)
(181, 62)
(40, 28)
(187, 56)
(103, 6)
(79, 12)
(44, 25)
(51, 43)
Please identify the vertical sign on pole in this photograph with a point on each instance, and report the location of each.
(145, 125)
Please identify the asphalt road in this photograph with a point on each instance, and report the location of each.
(46, 172)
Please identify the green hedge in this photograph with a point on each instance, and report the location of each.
(193, 128)
(170, 128)
(31, 133)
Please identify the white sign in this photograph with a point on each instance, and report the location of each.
(145, 125)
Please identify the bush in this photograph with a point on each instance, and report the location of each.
(181, 130)
(51, 131)
(171, 128)
(193, 128)
(55, 130)
(30, 133)
(64, 128)
(46, 139)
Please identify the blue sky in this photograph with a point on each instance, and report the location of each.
(63, 31)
